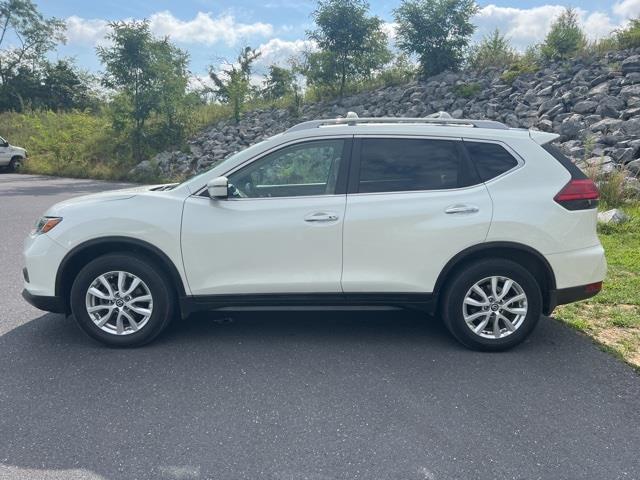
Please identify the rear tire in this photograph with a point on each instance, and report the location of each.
(491, 305)
(122, 300)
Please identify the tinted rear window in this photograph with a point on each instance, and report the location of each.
(394, 165)
(565, 161)
(490, 159)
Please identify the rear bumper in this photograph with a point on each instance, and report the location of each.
(572, 294)
(48, 304)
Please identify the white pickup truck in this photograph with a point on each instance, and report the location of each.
(11, 157)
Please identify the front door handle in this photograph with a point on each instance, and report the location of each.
(461, 209)
(319, 217)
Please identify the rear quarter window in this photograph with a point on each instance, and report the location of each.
(490, 159)
(565, 161)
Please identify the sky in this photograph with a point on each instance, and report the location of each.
(214, 30)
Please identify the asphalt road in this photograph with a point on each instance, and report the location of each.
(297, 395)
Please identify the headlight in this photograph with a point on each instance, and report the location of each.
(45, 224)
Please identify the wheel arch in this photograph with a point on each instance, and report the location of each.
(76, 258)
(524, 255)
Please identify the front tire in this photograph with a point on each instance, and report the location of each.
(121, 300)
(492, 305)
(14, 165)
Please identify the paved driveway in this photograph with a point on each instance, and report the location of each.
(297, 395)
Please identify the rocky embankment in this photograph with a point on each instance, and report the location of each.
(593, 104)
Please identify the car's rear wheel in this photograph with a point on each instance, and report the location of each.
(122, 300)
(492, 304)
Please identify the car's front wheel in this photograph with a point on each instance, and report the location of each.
(15, 165)
(122, 300)
(492, 304)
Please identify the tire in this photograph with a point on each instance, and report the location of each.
(460, 299)
(151, 316)
(14, 165)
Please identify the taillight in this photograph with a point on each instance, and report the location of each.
(578, 194)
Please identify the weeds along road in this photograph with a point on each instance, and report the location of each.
(296, 395)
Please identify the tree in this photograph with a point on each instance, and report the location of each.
(493, 51)
(565, 38)
(65, 87)
(233, 84)
(437, 31)
(148, 76)
(170, 84)
(278, 83)
(25, 37)
(351, 44)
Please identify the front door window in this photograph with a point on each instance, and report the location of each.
(310, 168)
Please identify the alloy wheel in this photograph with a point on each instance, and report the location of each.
(495, 307)
(119, 303)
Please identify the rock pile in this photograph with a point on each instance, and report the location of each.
(594, 105)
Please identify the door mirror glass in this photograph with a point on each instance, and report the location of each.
(218, 187)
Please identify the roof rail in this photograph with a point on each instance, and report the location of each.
(440, 118)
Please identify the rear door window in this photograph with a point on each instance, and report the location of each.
(405, 164)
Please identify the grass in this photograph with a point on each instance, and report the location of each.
(84, 144)
(612, 318)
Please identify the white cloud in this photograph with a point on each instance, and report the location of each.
(627, 8)
(86, 31)
(522, 26)
(277, 51)
(598, 25)
(204, 29)
(527, 26)
(391, 29)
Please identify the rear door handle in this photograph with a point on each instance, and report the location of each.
(320, 217)
(461, 209)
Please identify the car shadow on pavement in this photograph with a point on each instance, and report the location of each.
(290, 395)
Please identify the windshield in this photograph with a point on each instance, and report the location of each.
(2, 140)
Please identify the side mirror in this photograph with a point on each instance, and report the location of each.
(218, 187)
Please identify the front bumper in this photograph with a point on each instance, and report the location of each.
(42, 302)
(42, 258)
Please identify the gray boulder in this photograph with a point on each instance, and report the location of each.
(586, 106)
(613, 216)
(631, 64)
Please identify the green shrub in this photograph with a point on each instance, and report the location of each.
(629, 37)
(565, 39)
(494, 51)
(613, 187)
(467, 90)
(527, 63)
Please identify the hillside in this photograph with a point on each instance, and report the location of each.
(593, 103)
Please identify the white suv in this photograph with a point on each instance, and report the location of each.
(11, 157)
(487, 226)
